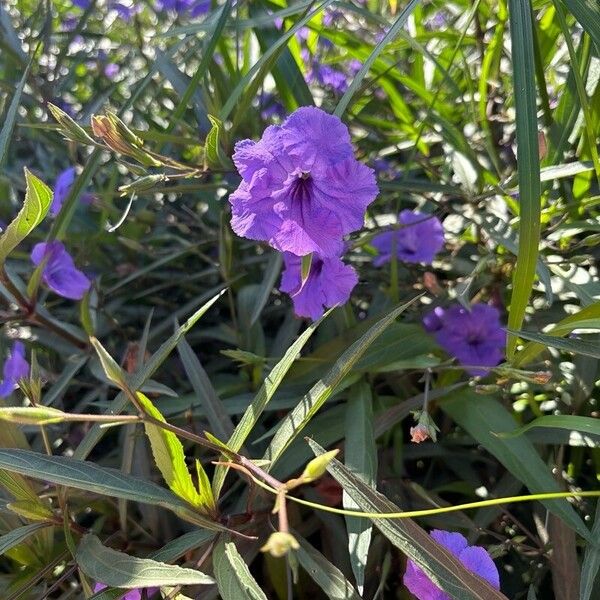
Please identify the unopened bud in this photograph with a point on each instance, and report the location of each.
(280, 543)
(110, 367)
(317, 466)
(419, 434)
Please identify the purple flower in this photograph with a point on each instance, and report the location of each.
(111, 70)
(331, 16)
(200, 8)
(83, 4)
(15, 368)
(327, 76)
(60, 273)
(329, 282)
(125, 12)
(421, 238)
(354, 66)
(474, 558)
(62, 187)
(69, 23)
(131, 595)
(270, 107)
(194, 7)
(302, 189)
(475, 337)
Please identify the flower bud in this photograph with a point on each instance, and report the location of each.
(280, 543)
(317, 466)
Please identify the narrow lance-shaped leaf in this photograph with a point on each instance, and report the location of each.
(83, 475)
(117, 406)
(17, 536)
(576, 346)
(326, 575)
(262, 398)
(117, 569)
(585, 425)
(442, 567)
(233, 575)
(169, 456)
(38, 198)
(360, 456)
(528, 163)
(299, 417)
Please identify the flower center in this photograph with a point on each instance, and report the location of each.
(301, 187)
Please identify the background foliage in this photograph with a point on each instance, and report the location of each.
(484, 112)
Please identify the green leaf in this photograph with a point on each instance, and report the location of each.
(233, 575)
(216, 414)
(214, 153)
(169, 457)
(360, 456)
(587, 12)
(90, 477)
(584, 425)
(326, 575)
(182, 545)
(109, 365)
(262, 399)
(591, 562)
(12, 112)
(267, 57)
(441, 566)
(528, 163)
(17, 536)
(119, 570)
(300, 416)
(117, 406)
(38, 198)
(272, 270)
(566, 325)
(393, 31)
(575, 346)
(480, 416)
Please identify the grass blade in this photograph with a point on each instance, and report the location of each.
(528, 163)
(394, 30)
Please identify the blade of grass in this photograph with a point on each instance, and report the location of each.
(528, 164)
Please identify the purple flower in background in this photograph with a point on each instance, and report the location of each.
(474, 558)
(302, 189)
(270, 107)
(475, 337)
(111, 70)
(327, 76)
(418, 241)
(83, 4)
(15, 368)
(60, 273)
(125, 12)
(62, 187)
(69, 23)
(329, 282)
(331, 16)
(200, 8)
(131, 595)
(354, 66)
(194, 7)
